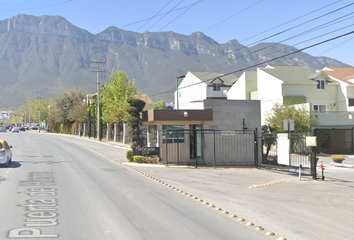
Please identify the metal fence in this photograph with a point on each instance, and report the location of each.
(298, 151)
(208, 147)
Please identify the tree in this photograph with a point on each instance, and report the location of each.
(114, 98)
(67, 109)
(160, 105)
(304, 119)
(135, 107)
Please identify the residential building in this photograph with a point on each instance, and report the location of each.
(345, 77)
(335, 134)
(287, 84)
(197, 86)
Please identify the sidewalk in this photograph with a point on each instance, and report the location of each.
(275, 200)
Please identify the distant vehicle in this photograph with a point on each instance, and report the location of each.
(5, 153)
(34, 128)
(22, 128)
(15, 129)
(3, 129)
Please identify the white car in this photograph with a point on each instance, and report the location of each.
(15, 129)
(5, 153)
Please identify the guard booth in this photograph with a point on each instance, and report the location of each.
(208, 147)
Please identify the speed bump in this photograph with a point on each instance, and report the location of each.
(267, 184)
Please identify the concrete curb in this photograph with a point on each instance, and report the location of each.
(341, 165)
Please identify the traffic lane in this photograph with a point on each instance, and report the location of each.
(338, 175)
(294, 209)
(114, 152)
(100, 199)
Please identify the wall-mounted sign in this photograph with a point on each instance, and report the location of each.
(146, 151)
(289, 125)
(311, 141)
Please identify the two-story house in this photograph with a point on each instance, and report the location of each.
(198, 86)
(345, 77)
(287, 84)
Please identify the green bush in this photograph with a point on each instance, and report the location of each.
(144, 159)
(129, 155)
(138, 159)
(338, 157)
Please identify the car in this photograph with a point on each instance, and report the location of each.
(22, 128)
(5, 153)
(15, 129)
(3, 129)
(34, 128)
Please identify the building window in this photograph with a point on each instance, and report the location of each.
(152, 133)
(351, 102)
(173, 133)
(216, 86)
(320, 108)
(320, 84)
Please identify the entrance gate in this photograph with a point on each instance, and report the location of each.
(208, 147)
(298, 154)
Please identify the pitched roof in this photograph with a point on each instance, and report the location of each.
(295, 74)
(146, 98)
(341, 73)
(209, 77)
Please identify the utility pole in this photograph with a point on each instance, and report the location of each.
(39, 108)
(97, 69)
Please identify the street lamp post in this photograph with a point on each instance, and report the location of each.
(180, 77)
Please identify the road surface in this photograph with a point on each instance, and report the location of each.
(73, 189)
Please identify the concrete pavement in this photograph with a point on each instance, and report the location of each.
(278, 201)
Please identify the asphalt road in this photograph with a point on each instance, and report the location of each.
(66, 188)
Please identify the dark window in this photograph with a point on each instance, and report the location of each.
(0, 146)
(351, 102)
(320, 84)
(216, 86)
(173, 133)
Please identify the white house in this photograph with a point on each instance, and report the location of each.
(345, 77)
(198, 86)
(287, 84)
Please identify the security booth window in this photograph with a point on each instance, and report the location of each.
(152, 133)
(173, 133)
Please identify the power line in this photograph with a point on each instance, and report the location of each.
(313, 38)
(279, 33)
(165, 15)
(45, 6)
(154, 15)
(267, 61)
(324, 25)
(292, 20)
(143, 20)
(336, 46)
(233, 15)
(179, 15)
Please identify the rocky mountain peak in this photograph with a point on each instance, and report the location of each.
(44, 25)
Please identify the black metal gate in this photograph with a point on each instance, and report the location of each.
(208, 147)
(299, 153)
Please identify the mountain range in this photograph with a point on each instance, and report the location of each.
(46, 56)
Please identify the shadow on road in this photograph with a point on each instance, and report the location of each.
(15, 165)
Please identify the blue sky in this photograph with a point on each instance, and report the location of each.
(246, 21)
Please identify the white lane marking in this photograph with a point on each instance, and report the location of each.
(7, 172)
